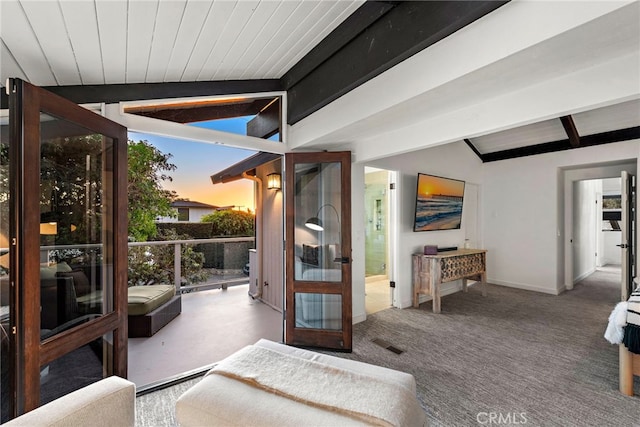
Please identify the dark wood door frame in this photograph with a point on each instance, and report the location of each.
(26, 104)
(334, 339)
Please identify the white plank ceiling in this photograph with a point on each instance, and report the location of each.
(84, 42)
(605, 119)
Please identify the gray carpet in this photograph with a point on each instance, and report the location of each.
(525, 357)
(157, 409)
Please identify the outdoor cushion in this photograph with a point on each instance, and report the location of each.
(145, 299)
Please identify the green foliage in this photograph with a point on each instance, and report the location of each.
(196, 230)
(150, 265)
(231, 223)
(148, 169)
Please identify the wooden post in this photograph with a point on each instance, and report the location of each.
(177, 274)
(626, 371)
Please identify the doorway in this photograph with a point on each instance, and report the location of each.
(597, 231)
(574, 242)
(379, 232)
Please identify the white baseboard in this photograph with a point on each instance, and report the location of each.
(358, 318)
(525, 287)
(452, 287)
(584, 276)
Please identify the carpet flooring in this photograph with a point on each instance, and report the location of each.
(517, 356)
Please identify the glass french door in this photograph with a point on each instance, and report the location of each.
(318, 250)
(627, 241)
(64, 277)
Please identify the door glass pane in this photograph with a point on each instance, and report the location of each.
(77, 369)
(319, 311)
(317, 222)
(5, 359)
(76, 223)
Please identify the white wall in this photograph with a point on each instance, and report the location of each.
(451, 161)
(270, 238)
(611, 254)
(357, 243)
(585, 221)
(453, 90)
(523, 213)
(196, 214)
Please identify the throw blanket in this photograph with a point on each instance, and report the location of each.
(362, 397)
(632, 331)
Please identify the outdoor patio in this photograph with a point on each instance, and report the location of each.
(213, 324)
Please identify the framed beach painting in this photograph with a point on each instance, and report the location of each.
(438, 203)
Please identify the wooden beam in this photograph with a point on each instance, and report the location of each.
(349, 29)
(474, 149)
(113, 93)
(206, 112)
(550, 147)
(266, 123)
(570, 129)
(400, 32)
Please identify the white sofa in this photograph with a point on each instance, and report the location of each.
(107, 403)
(225, 400)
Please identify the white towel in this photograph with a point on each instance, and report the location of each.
(617, 322)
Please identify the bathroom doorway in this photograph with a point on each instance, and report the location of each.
(379, 236)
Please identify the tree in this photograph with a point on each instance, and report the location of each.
(148, 169)
(231, 223)
(150, 265)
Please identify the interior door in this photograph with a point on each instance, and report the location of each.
(318, 250)
(68, 246)
(627, 243)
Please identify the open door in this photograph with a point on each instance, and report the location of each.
(318, 250)
(627, 243)
(67, 272)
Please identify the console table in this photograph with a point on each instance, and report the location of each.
(431, 271)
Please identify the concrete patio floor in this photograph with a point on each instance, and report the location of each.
(213, 324)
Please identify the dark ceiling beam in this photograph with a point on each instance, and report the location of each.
(402, 31)
(571, 130)
(113, 93)
(235, 171)
(551, 147)
(473, 148)
(266, 123)
(207, 112)
(349, 29)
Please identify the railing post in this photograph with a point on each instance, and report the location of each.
(177, 253)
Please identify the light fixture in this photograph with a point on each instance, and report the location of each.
(274, 181)
(49, 228)
(315, 223)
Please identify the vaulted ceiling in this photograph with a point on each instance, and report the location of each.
(60, 43)
(316, 50)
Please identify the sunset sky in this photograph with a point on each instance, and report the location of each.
(197, 161)
(434, 185)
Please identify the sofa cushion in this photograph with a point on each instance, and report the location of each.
(145, 299)
(80, 281)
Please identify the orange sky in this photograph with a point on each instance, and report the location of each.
(435, 185)
(237, 193)
(196, 162)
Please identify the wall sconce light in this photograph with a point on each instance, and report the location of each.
(49, 228)
(274, 181)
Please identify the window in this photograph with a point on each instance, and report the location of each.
(183, 214)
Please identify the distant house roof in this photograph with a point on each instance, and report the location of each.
(191, 204)
(235, 171)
